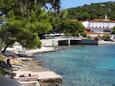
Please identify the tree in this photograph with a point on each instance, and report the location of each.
(57, 19)
(113, 30)
(72, 27)
(84, 16)
(106, 37)
(25, 20)
(12, 33)
(24, 7)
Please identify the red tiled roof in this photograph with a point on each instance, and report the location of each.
(88, 32)
(99, 28)
(101, 20)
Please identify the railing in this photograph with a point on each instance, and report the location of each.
(68, 38)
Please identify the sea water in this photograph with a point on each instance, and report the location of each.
(83, 65)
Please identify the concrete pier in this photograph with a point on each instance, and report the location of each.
(57, 41)
(78, 42)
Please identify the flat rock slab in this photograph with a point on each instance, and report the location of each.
(45, 75)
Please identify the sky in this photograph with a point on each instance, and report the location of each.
(75, 3)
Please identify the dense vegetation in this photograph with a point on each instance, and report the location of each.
(61, 24)
(93, 11)
(113, 30)
(2, 72)
(24, 21)
(72, 28)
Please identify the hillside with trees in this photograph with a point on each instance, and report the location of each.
(93, 11)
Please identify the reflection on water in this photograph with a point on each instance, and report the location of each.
(83, 65)
(8, 82)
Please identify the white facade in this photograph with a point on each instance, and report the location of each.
(99, 25)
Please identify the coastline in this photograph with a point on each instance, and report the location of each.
(32, 65)
(35, 66)
(105, 42)
(44, 50)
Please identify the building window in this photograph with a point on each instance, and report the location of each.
(106, 31)
(99, 26)
(107, 27)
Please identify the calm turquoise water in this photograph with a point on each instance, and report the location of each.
(83, 65)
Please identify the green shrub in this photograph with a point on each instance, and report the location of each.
(106, 37)
(113, 30)
(2, 58)
(2, 72)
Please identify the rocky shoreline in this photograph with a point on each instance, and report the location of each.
(34, 66)
(22, 64)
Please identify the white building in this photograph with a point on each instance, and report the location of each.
(99, 26)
